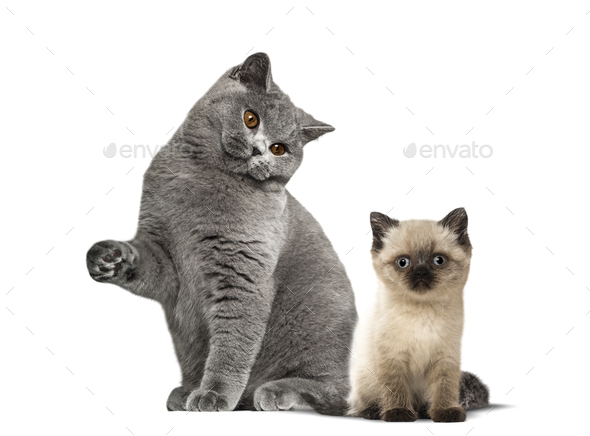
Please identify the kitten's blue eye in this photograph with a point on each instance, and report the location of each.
(439, 260)
(403, 262)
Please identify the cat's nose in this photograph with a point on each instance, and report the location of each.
(258, 148)
(421, 273)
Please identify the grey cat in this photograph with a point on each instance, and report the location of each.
(259, 306)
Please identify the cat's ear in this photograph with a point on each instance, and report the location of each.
(254, 72)
(456, 221)
(380, 224)
(311, 128)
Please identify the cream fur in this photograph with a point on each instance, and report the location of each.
(408, 341)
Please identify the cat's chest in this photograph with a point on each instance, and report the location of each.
(200, 208)
(412, 326)
(226, 224)
(418, 333)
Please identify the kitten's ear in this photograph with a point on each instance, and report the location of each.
(380, 224)
(311, 128)
(456, 221)
(254, 72)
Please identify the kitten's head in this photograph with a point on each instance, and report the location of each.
(247, 126)
(422, 257)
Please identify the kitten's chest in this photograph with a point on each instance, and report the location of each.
(415, 328)
(420, 333)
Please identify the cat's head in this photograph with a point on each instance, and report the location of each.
(247, 126)
(422, 257)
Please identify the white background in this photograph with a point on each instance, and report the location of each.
(79, 357)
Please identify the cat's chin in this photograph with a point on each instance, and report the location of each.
(421, 287)
(271, 185)
(258, 175)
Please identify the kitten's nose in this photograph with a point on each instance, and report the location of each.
(420, 273)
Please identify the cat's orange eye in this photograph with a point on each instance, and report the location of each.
(250, 119)
(277, 149)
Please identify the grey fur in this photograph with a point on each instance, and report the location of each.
(258, 304)
(474, 394)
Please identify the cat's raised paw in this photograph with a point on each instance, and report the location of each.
(451, 414)
(207, 401)
(399, 414)
(109, 260)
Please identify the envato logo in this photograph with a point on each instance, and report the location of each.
(127, 151)
(440, 150)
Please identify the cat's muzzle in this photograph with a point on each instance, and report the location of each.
(259, 167)
(421, 279)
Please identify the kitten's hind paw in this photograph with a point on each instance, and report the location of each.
(110, 260)
(450, 414)
(371, 412)
(399, 414)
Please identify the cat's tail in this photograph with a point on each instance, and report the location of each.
(474, 393)
(328, 405)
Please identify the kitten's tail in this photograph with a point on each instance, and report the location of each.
(474, 393)
(330, 405)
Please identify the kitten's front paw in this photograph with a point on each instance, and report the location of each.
(450, 414)
(108, 260)
(207, 401)
(399, 414)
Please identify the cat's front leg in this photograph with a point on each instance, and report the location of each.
(444, 383)
(237, 323)
(396, 397)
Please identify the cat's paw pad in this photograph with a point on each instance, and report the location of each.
(271, 398)
(107, 260)
(399, 414)
(207, 401)
(450, 414)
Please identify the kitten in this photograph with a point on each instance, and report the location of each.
(259, 307)
(407, 352)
